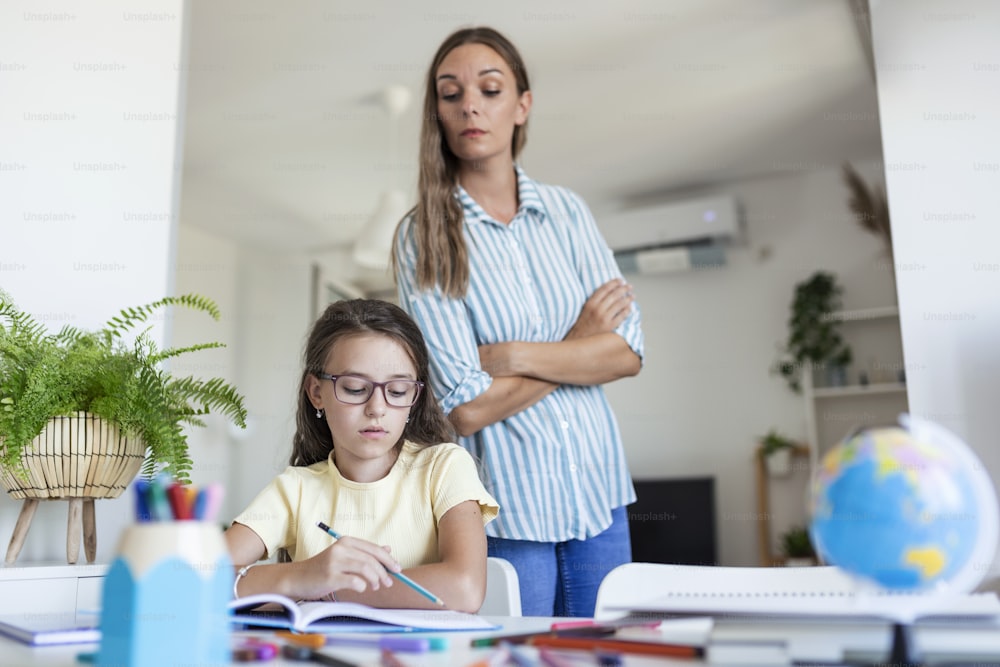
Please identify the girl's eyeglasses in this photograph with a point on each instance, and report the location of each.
(354, 390)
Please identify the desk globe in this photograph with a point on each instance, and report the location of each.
(906, 508)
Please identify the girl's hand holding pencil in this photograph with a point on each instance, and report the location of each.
(394, 571)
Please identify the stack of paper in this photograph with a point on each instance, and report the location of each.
(817, 627)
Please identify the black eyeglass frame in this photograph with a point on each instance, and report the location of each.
(374, 385)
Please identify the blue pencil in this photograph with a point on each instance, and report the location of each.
(399, 575)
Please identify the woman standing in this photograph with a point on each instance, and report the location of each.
(525, 315)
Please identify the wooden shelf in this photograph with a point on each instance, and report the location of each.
(764, 538)
(859, 390)
(882, 312)
(876, 342)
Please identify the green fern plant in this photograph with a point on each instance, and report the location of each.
(43, 375)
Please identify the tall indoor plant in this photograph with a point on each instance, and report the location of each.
(814, 338)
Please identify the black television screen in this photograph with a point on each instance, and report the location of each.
(673, 521)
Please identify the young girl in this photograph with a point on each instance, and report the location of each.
(526, 315)
(367, 461)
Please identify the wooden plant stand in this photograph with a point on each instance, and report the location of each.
(77, 458)
(81, 521)
(766, 556)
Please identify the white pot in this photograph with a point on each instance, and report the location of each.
(779, 462)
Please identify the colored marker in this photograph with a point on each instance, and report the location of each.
(586, 630)
(307, 639)
(177, 495)
(617, 646)
(401, 644)
(399, 575)
(156, 501)
(142, 513)
(207, 502)
(254, 650)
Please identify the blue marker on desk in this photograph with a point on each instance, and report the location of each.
(399, 575)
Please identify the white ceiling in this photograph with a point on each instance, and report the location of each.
(286, 148)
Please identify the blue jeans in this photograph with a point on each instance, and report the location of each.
(562, 578)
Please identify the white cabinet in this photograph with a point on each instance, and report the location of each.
(874, 391)
(52, 589)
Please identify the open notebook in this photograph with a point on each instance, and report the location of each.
(278, 611)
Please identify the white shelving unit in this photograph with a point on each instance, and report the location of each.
(834, 411)
(51, 588)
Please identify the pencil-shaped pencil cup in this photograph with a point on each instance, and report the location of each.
(165, 597)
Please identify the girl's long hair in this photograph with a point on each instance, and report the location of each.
(313, 441)
(442, 258)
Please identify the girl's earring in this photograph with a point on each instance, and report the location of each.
(319, 413)
(407, 419)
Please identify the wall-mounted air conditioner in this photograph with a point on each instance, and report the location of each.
(676, 236)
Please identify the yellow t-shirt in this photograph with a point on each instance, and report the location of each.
(402, 509)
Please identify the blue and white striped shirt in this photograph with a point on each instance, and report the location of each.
(557, 468)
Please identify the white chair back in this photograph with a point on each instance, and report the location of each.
(503, 593)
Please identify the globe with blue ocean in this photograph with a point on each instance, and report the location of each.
(906, 508)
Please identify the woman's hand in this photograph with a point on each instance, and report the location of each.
(606, 308)
(349, 563)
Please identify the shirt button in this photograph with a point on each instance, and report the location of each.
(572, 467)
(565, 425)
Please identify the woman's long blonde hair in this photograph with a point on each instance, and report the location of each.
(442, 258)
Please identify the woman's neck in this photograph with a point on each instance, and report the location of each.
(493, 186)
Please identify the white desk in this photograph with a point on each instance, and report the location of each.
(459, 653)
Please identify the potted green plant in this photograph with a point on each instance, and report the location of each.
(797, 547)
(776, 451)
(45, 375)
(81, 413)
(814, 338)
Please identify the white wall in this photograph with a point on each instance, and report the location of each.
(88, 125)
(938, 77)
(266, 313)
(208, 265)
(705, 393)
(274, 317)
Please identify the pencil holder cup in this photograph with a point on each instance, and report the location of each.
(165, 597)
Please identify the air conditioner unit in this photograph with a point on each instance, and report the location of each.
(676, 236)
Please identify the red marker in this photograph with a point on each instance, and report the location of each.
(178, 497)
